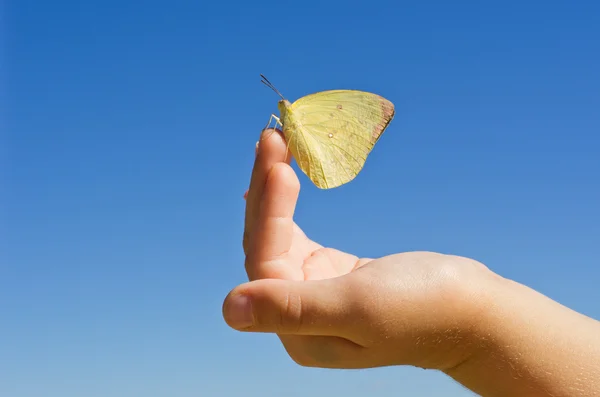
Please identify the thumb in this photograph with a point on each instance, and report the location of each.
(285, 307)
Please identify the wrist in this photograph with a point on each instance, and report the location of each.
(484, 356)
(520, 342)
(473, 321)
(455, 337)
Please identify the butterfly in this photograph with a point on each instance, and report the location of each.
(331, 133)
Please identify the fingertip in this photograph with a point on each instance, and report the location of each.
(272, 142)
(267, 133)
(237, 311)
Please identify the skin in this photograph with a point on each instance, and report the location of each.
(331, 309)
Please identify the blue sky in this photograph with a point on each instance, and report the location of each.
(128, 139)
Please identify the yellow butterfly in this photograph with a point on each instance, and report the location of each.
(331, 133)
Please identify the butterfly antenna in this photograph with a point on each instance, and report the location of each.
(266, 82)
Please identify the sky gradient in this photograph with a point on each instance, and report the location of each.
(128, 140)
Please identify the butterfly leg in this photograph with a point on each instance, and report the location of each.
(277, 122)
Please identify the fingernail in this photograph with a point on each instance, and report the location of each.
(239, 312)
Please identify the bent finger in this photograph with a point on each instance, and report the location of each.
(274, 230)
(318, 308)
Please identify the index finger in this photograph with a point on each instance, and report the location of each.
(271, 149)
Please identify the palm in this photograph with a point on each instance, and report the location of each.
(308, 260)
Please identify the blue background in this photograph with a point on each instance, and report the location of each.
(128, 139)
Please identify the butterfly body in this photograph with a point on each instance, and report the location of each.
(331, 133)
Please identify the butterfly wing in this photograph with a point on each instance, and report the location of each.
(336, 131)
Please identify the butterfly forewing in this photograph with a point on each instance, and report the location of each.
(336, 132)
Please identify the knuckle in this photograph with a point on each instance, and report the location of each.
(278, 311)
(291, 317)
(449, 270)
(456, 270)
